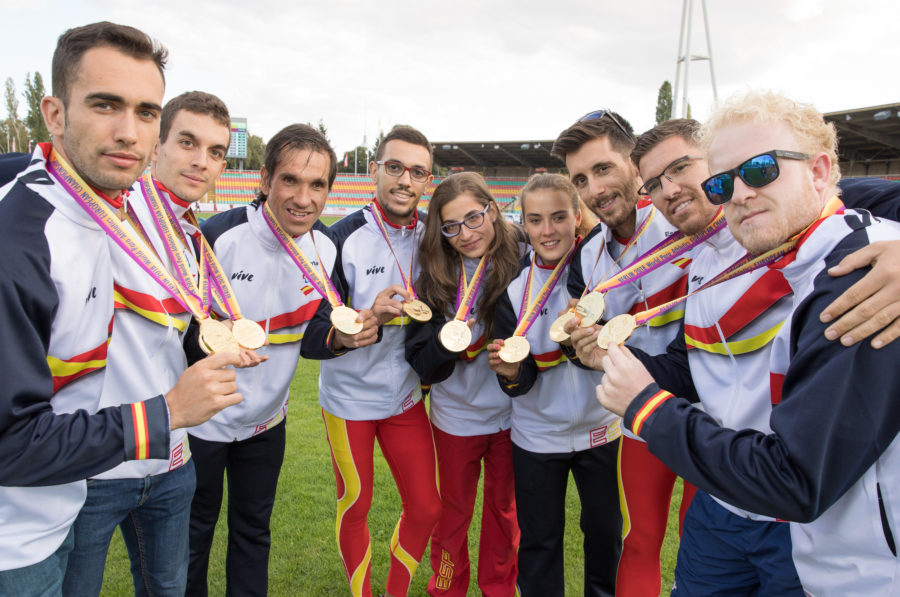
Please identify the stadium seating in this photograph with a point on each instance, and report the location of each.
(349, 192)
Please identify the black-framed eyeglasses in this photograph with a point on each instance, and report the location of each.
(674, 173)
(756, 172)
(472, 221)
(395, 168)
(598, 114)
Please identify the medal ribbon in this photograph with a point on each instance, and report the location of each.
(467, 291)
(407, 279)
(634, 238)
(529, 310)
(322, 283)
(745, 264)
(664, 252)
(210, 266)
(172, 234)
(127, 239)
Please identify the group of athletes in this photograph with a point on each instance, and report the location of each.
(667, 309)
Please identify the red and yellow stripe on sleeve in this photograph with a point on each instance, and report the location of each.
(648, 409)
(141, 431)
(145, 305)
(68, 370)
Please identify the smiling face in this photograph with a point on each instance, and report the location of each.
(399, 196)
(297, 190)
(110, 124)
(550, 222)
(607, 182)
(683, 202)
(472, 243)
(192, 156)
(763, 218)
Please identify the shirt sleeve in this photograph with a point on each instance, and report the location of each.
(838, 413)
(671, 370)
(37, 446)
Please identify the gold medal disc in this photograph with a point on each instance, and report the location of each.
(417, 310)
(557, 333)
(616, 330)
(344, 319)
(514, 349)
(216, 337)
(590, 308)
(455, 335)
(248, 333)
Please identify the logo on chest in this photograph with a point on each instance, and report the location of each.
(375, 269)
(242, 275)
(92, 294)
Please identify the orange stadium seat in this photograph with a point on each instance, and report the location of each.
(348, 193)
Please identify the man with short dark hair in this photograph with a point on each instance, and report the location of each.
(150, 501)
(828, 462)
(270, 251)
(596, 150)
(57, 305)
(367, 390)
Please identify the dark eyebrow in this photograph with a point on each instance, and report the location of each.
(105, 96)
(118, 99)
(188, 134)
(601, 164)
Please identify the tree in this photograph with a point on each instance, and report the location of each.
(357, 161)
(16, 135)
(664, 103)
(377, 142)
(323, 129)
(256, 152)
(34, 120)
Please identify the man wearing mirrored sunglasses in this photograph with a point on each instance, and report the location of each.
(367, 390)
(830, 461)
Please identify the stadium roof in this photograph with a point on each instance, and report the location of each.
(495, 154)
(868, 134)
(865, 134)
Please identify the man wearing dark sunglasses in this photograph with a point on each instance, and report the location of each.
(826, 457)
(367, 390)
(596, 151)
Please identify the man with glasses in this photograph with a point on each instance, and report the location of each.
(829, 463)
(596, 151)
(367, 390)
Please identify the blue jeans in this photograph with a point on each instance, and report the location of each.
(154, 514)
(725, 555)
(43, 579)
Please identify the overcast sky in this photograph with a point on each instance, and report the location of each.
(480, 70)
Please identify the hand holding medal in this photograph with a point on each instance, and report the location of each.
(508, 371)
(516, 347)
(412, 306)
(456, 334)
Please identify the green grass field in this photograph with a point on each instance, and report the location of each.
(304, 558)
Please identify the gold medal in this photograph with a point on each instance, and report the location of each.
(248, 333)
(514, 349)
(557, 333)
(344, 319)
(455, 335)
(417, 309)
(616, 330)
(216, 337)
(590, 308)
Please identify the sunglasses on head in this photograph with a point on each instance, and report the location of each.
(598, 114)
(756, 172)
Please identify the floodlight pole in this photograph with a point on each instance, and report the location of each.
(685, 58)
